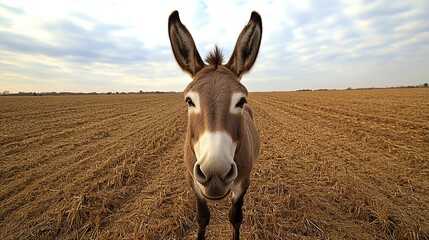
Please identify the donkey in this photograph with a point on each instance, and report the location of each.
(222, 142)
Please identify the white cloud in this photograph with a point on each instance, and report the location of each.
(108, 45)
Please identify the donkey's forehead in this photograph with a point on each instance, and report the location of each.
(214, 80)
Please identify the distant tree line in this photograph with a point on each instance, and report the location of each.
(424, 85)
(7, 93)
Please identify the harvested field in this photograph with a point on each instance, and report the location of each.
(333, 165)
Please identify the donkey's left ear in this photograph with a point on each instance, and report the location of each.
(247, 47)
(183, 46)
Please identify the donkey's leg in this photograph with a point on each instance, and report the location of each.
(236, 217)
(236, 210)
(203, 213)
(203, 217)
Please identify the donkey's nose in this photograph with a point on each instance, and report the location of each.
(199, 174)
(227, 174)
(232, 174)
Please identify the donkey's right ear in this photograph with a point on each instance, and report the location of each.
(247, 47)
(183, 46)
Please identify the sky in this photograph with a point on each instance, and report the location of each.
(102, 45)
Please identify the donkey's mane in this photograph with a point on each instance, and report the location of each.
(215, 57)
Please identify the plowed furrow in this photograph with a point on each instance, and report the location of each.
(333, 165)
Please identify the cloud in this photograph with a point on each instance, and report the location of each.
(67, 39)
(104, 45)
(79, 53)
(329, 41)
(14, 10)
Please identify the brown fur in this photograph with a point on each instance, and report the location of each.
(215, 58)
(215, 84)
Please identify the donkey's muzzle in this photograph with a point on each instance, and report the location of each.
(225, 174)
(215, 183)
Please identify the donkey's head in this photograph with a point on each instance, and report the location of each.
(216, 105)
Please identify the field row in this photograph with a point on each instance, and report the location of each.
(333, 165)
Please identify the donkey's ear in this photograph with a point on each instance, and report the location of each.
(183, 46)
(247, 47)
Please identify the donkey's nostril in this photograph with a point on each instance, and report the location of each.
(232, 174)
(199, 175)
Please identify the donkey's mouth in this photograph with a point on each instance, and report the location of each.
(216, 198)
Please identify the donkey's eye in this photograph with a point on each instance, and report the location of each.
(189, 102)
(241, 103)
